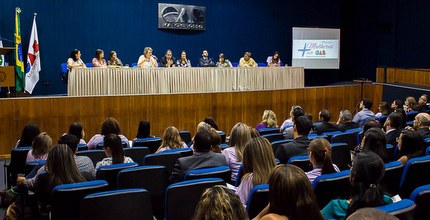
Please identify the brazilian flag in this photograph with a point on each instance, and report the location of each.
(19, 67)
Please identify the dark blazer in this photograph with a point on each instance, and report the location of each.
(196, 161)
(424, 132)
(295, 148)
(423, 108)
(347, 125)
(325, 127)
(392, 135)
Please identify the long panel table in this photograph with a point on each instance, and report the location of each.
(130, 81)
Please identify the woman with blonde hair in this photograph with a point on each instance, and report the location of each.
(240, 135)
(410, 104)
(219, 202)
(40, 148)
(320, 158)
(258, 164)
(171, 140)
(268, 120)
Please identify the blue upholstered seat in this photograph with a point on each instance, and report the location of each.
(222, 172)
(331, 186)
(258, 200)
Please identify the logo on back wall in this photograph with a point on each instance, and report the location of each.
(185, 17)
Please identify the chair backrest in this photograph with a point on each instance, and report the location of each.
(340, 155)
(315, 136)
(134, 65)
(155, 179)
(410, 116)
(302, 162)
(348, 138)
(185, 151)
(261, 64)
(66, 198)
(89, 65)
(94, 155)
(222, 172)
(137, 153)
(393, 174)
(82, 147)
(183, 197)
(185, 136)
(276, 144)
(240, 174)
(64, 68)
(391, 152)
(258, 200)
(274, 137)
(382, 119)
(331, 186)
(167, 160)
(110, 173)
(33, 164)
(330, 134)
(421, 197)
(428, 151)
(117, 204)
(222, 135)
(404, 209)
(99, 146)
(415, 174)
(18, 157)
(365, 120)
(353, 130)
(264, 131)
(235, 64)
(152, 143)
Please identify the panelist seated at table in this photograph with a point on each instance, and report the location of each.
(183, 61)
(223, 62)
(114, 60)
(247, 61)
(206, 61)
(147, 60)
(168, 60)
(99, 60)
(75, 60)
(274, 61)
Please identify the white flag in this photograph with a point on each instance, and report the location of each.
(33, 60)
(1, 56)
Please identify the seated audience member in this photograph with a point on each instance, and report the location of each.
(422, 125)
(202, 157)
(215, 141)
(61, 169)
(289, 122)
(84, 163)
(384, 110)
(171, 140)
(393, 127)
(396, 104)
(75, 61)
(206, 61)
(168, 60)
(223, 62)
(258, 164)
(77, 129)
(183, 61)
(114, 60)
(268, 120)
(290, 196)
(144, 130)
(114, 152)
(365, 106)
(345, 121)
(371, 214)
(367, 174)
(40, 148)
(410, 104)
(302, 127)
(410, 145)
(374, 140)
(297, 112)
(247, 61)
(402, 112)
(211, 121)
(147, 60)
(219, 202)
(240, 135)
(325, 126)
(274, 61)
(309, 116)
(254, 132)
(109, 126)
(422, 103)
(320, 158)
(29, 132)
(98, 60)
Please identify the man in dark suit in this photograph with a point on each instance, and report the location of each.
(301, 128)
(325, 126)
(422, 124)
(202, 157)
(345, 121)
(422, 103)
(393, 128)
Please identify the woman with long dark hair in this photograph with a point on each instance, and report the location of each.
(320, 158)
(98, 60)
(366, 178)
(410, 145)
(113, 149)
(109, 126)
(144, 130)
(28, 134)
(374, 140)
(77, 129)
(75, 61)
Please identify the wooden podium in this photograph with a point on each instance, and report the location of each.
(7, 73)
